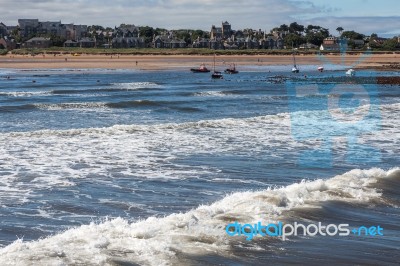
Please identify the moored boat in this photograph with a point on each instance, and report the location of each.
(216, 74)
(201, 69)
(295, 69)
(231, 70)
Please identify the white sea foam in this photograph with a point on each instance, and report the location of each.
(58, 158)
(137, 85)
(25, 93)
(211, 94)
(70, 106)
(163, 241)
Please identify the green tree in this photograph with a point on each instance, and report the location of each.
(95, 28)
(183, 35)
(283, 27)
(316, 34)
(293, 39)
(16, 34)
(352, 35)
(294, 27)
(390, 45)
(199, 33)
(147, 33)
(340, 30)
(57, 40)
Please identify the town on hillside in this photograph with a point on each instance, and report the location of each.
(32, 33)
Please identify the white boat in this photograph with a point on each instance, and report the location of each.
(350, 72)
(320, 69)
(295, 69)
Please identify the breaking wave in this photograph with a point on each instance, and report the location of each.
(168, 240)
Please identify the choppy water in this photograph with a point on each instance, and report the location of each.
(109, 167)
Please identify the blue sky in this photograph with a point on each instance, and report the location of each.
(365, 16)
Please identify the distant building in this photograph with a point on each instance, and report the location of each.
(3, 30)
(8, 44)
(359, 43)
(330, 40)
(128, 42)
(231, 44)
(334, 44)
(306, 46)
(68, 32)
(87, 43)
(38, 42)
(28, 27)
(251, 43)
(168, 42)
(216, 44)
(71, 43)
(379, 40)
(174, 44)
(272, 42)
(224, 32)
(50, 28)
(216, 33)
(161, 42)
(329, 47)
(201, 43)
(81, 31)
(127, 31)
(33, 27)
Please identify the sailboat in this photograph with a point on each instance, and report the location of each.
(231, 70)
(216, 74)
(295, 69)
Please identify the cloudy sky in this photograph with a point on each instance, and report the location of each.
(365, 16)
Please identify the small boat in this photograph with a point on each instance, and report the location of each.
(320, 69)
(216, 74)
(295, 69)
(231, 70)
(201, 69)
(350, 72)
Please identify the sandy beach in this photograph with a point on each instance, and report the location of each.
(166, 62)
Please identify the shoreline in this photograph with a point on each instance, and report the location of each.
(166, 62)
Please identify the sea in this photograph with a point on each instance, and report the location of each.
(140, 167)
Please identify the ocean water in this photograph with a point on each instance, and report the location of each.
(122, 167)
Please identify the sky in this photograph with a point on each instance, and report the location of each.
(365, 16)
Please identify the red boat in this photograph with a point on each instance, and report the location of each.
(201, 69)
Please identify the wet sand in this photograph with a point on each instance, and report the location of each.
(165, 62)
